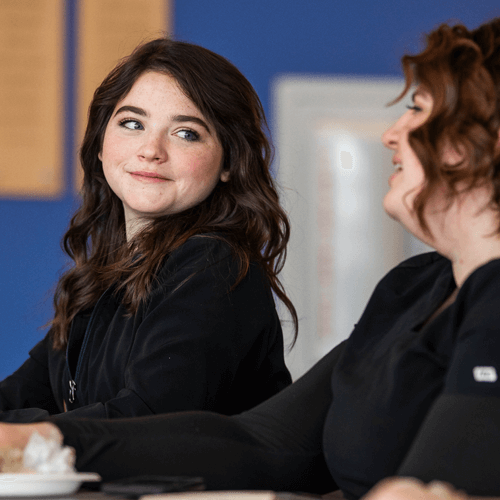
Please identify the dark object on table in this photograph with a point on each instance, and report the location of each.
(134, 487)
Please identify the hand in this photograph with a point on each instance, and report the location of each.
(413, 489)
(18, 435)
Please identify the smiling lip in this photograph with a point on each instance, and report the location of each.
(391, 178)
(395, 161)
(148, 176)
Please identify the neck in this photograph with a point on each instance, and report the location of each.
(468, 234)
(134, 226)
(468, 256)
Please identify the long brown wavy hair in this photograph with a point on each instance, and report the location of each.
(245, 211)
(461, 70)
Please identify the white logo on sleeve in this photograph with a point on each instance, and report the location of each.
(485, 374)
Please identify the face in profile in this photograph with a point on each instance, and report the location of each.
(407, 180)
(160, 155)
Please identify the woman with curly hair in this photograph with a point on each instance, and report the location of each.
(414, 391)
(177, 247)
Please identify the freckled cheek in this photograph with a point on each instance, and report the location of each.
(202, 169)
(114, 149)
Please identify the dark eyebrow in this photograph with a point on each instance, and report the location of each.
(132, 109)
(194, 119)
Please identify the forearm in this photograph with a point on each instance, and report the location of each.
(459, 443)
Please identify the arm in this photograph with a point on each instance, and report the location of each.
(459, 443)
(276, 445)
(27, 395)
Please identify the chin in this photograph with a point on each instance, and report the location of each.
(389, 208)
(392, 214)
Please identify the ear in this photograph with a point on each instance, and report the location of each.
(99, 155)
(224, 175)
(453, 154)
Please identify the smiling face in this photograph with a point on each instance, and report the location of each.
(160, 155)
(407, 180)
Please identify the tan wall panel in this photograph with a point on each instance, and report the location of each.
(31, 97)
(108, 31)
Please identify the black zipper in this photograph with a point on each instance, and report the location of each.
(72, 382)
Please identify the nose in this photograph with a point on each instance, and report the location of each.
(390, 136)
(153, 148)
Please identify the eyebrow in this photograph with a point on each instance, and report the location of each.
(176, 118)
(132, 109)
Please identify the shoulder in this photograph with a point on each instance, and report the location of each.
(421, 270)
(423, 260)
(485, 279)
(479, 296)
(475, 315)
(206, 270)
(417, 280)
(208, 257)
(200, 251)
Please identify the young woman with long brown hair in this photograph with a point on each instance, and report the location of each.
(177, 247)
(414, 391)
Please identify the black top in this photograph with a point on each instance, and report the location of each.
(394, 372)
(396, 398)
(197, 343)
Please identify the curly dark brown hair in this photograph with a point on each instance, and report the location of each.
(245, 211)
(461, 71)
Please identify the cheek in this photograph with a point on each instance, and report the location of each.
(114, 148)
(109, 176)
(104, 155)
(108, 150)
(203, 168)
(110, 157)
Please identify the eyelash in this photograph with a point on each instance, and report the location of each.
(123, 123)
(189, 131)
(414, 108)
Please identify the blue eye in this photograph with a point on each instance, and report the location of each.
(131, 124)
(189, 135)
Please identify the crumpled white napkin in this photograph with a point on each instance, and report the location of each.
(48, 455)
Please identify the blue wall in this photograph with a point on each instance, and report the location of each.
(263, 38)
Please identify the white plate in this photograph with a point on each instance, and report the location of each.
(22, 485)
